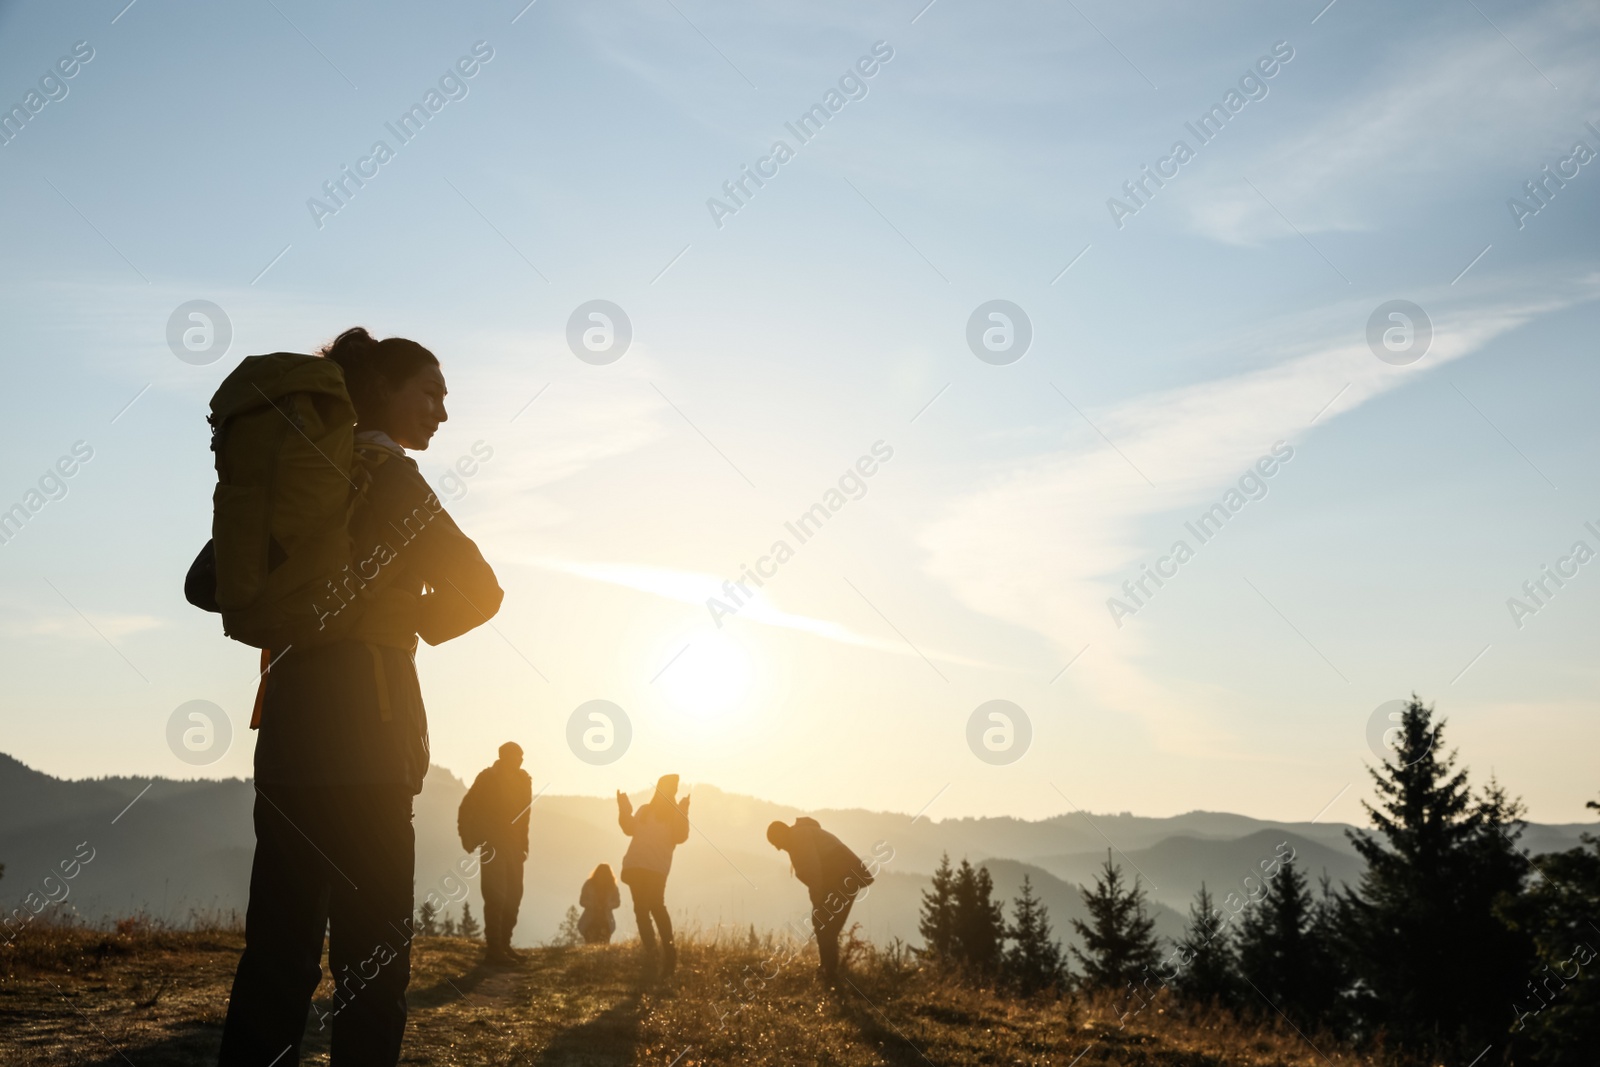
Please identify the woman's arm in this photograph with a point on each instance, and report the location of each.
(625, 818)
(463, 592)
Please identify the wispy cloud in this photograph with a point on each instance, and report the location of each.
(1468, 103)
(71, 627)
(1044, 544)
(691, 587)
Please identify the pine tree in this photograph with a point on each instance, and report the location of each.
(1118, 944)
(1209, 974)
(979, 921)
(1329, 978)
(962, 925)
(1556, 1012)
(1434, 965)
(1276, 950)
(1033, 961)
(469, 927)
(428, 919)
(448, 926)
(937, 923)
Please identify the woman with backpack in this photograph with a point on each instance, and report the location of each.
(598, 899)
(657, 828)
(343, 743)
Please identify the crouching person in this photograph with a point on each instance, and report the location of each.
(598, 899)
(832, 874)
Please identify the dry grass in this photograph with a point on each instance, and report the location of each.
(154, 997)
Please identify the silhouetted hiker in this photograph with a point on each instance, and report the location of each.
(832, 875)
(332, 555)
(599, 898)
(494, 816)
(657, 828)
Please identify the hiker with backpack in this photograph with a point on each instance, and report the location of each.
(598, 898)
(833, 876)
(331, 554)
(656, 828)
(494, 816)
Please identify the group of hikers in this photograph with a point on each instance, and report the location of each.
(493, 817)
(332, 556)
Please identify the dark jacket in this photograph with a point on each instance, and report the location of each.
(822, 862)
(351, 712)
(495, 810)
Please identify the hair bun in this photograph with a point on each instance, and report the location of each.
(373, 367)
(355, 340)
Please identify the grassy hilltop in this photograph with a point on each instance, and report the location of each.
(156, 998)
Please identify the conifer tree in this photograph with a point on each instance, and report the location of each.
(1329, 980)
(1556, 1012)
(1276, 951)
(1209, 974)
(428, 919)
(1434, 966)
(1119, 946)
(469, 927)
(937, 923)
(1033, 961)
(962, 925)
(447, 926)
(979, 921)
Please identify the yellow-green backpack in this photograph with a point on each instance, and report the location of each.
(283, 430)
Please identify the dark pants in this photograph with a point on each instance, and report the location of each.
(649, 903)
(828, 919)
(341, 859)
(502, 894)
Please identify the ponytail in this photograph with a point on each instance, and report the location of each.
(373, 368)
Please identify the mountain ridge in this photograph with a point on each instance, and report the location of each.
(167, 847)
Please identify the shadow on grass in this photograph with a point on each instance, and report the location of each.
(194, 1044)
(609, 1038)
(449, 988)
(876, 1029)
(187, 1045)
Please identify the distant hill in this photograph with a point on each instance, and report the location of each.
(1173, 868)
(186, 845)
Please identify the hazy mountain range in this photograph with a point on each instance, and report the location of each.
(185, 846)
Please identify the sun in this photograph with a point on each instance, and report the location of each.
(710, 677)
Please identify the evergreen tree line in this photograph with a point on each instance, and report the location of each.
(1456, 943)
(429, 923)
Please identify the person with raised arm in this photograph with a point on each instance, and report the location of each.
(656, 829)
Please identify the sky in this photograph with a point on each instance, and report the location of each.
(1161, 348)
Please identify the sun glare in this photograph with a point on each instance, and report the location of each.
(710, 676)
